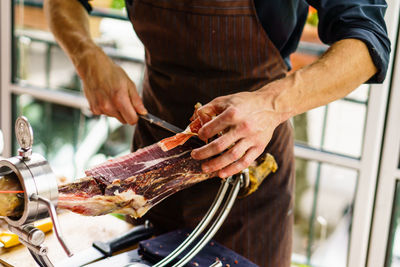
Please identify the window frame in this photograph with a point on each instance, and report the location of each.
(389, 172)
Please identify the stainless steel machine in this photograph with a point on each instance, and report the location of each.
(41, 195)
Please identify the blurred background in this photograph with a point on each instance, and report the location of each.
(339, 147)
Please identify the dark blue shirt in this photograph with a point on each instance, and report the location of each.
(283, 20)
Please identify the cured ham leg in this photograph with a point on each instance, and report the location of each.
(132, 184)
(11, 204)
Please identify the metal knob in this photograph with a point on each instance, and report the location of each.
(24, 134)
(29, 234)
(35, 236)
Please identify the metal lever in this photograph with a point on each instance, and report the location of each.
(54, 219)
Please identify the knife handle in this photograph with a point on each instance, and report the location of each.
(46, 225)
(9, 239)
(130, 238)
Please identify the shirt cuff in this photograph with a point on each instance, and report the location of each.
(86, 5)
(377, 48)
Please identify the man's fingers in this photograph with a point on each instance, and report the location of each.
(215, 147)
(227, 158)
(93, 104)
(241, 164)
(124, 106)
(208, 111)
(95, 110)
(108, 109)
(136, 100)
(219, 123)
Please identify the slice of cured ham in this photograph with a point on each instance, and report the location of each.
(193, 128)
(134, 183)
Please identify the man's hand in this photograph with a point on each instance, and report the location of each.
(247, 123)
(107, 87)
(109, 90)
(247, 120)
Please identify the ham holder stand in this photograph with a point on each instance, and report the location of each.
(40, 195)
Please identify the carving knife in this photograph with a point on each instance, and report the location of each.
(101, 250)
(150, 118)
(161, 123)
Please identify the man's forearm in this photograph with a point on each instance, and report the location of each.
(345, 66)
(107, 87)
(68, 20)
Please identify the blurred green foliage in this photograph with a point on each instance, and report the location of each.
(118, 4)
(312, 18)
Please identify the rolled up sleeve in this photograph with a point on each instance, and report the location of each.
(86, 5)
(358, 19)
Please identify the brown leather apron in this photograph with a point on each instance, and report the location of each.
(197, 50)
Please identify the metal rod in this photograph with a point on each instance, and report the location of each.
(199, 228)
(56, 225)
(61, 97)
(39, 250)
(41, 260)
(216, 225)
(319, 155)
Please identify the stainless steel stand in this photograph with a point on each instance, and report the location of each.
(235, 182)
(40, 194)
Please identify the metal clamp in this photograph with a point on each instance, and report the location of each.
(33, 239)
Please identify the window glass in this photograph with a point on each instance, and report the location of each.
(393, 253)
(41, 63)
(323, 213)
(71, 140)
(339, 126)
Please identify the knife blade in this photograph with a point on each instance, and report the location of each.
(161, 123)
(168, 126)
(100, 250)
